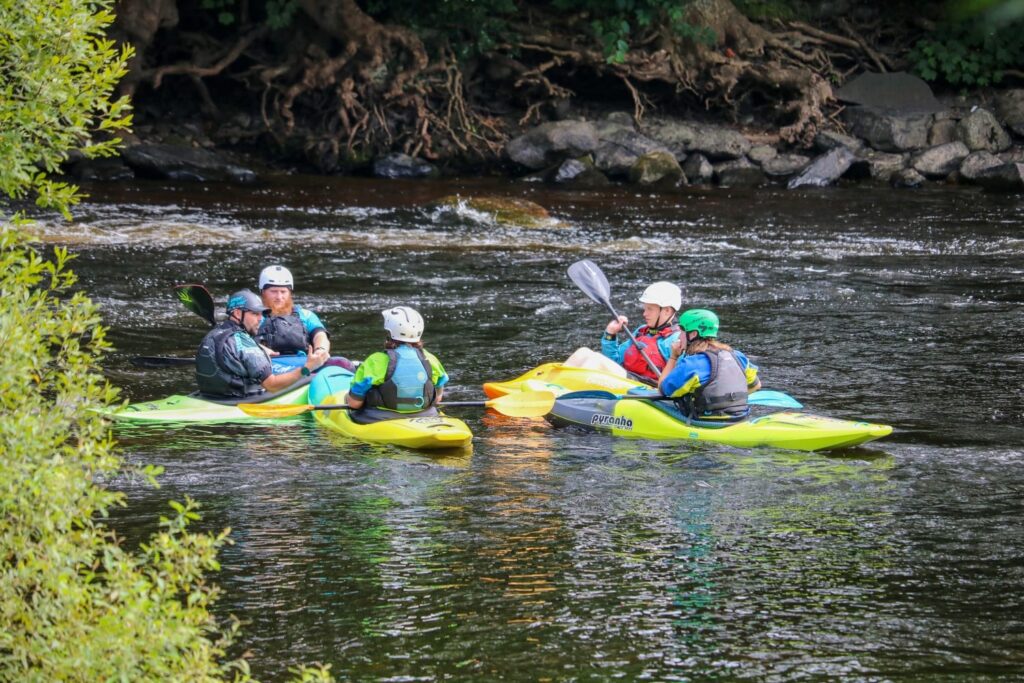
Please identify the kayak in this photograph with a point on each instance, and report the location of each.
(420, 431)
(566, 377)
(195, 407)
(659, 420)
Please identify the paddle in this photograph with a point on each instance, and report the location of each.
(589, 278)
(197, 299)
(161, 361)
(523, 404)
(763, 397)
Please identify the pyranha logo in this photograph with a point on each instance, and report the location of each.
(612, 422)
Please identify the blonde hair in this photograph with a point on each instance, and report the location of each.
(702, 344)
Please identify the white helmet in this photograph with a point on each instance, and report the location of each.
(403, 324)
(663, 294)
(276, 276)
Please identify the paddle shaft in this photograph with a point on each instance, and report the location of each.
(632, 337)
(446, 404)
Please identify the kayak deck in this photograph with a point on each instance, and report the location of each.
(642, 420)
(564, 376)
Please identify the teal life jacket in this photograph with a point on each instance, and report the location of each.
(408, 385)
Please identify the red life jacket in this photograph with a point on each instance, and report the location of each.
(635, 363)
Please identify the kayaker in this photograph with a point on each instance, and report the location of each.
(404, 378)
(661, 300)
(710, 379)
(230, 364)
(287, 328)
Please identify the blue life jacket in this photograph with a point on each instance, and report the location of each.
(408, 385)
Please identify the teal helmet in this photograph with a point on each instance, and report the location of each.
(700, 320)
(247, 301)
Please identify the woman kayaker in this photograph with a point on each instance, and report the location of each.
(230, 364)
(404, 378)
(287, 328)
(661, 301)
(710, 379)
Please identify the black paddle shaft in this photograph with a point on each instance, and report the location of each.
(592, 281)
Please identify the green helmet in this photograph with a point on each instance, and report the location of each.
(701, 320)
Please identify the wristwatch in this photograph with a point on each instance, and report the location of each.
(305, 371)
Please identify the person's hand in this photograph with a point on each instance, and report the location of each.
(270, 352)
(315, 358)
(678, 346)
(615, 326)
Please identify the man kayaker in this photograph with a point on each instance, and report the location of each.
(709, 378)
(230, 364)
(404, 378)
(661, 301)
(286, 327)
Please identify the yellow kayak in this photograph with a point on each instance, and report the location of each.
(658, 420)
(568, 378)
(426, 432)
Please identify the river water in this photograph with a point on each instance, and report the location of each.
(546, 554)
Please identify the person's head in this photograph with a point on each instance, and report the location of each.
(661, 300)
(246, 309)
(404, 326)
(701, 329)
(276, 284)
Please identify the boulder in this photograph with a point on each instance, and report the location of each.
(105, 169)
(618, 150)
(1002, 178)
(897, 92)
(825, 170)
(826, 140)
(682, 137)
(698, 169)
(889, 132)
(977, 162)
(941, 160)
(506, 210)
(784, 165)
(551, 143)
(657, 168)
(762, 153)
(397, 165)
(184, 163)
(980, 130)
(1009, 108)
(882, 165)
(579, 174)
(943, 130)
(739, 173)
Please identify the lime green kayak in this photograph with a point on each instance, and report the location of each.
(656, 420)
(197, 408)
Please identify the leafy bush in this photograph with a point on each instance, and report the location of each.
(969, 53)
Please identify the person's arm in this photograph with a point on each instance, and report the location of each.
(438, 376)
(315, 330)
(610, 346)
(286, 379)
(750, 370)
(676, 350)
(321, 342)
(375, 366)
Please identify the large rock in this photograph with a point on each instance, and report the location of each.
(825, 170)
(399, 165)
(980, 130)
(657, 169)
(105, 169)
(1003, 178)
(784, 165)
(505, 210)
(184, 163)
(827, 140)
(907, 177)
(1010, 109)
(889, 132)
(941, 160)
(896, 92)
(579, 174)
(976, 163)
(552, 143)
(683, 137)
(882, 165)
(619, 148)
(943, 130)
(762, 153)
(739, 173)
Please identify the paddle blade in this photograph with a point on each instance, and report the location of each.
(524, 404)
(272, 411)
(775, 399)
(591, 280)
(197, 299)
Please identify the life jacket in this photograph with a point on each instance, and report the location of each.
(285, 334)
(216, 358)
(408, 385)
(724, 396)
(635, 363)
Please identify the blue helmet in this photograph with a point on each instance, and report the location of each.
(247, 301)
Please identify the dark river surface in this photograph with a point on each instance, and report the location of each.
(549, 555)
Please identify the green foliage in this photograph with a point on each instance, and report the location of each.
(772, 9)
(969, 53)
(56, 83)
(470, 27)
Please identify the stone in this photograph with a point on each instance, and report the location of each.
(717, 143)
(106, 169)
(785, 165)
(739, 173)
(889, 132)
(1003, 178)
(1009, 108)
(907, 177)
(551, 143)
(505, 210)
(657, 168)
(185, 163)
(397, 165)
(618, 150)
(980, 130)
(942, 131)
(976, 163)
(941, 160)
(762, 153)
(826, 140)
(825, 170)
(698, 169)
(579, 174)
